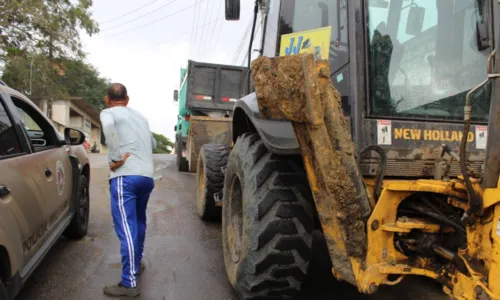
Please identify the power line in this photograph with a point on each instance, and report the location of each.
(203, 35)
(153, 22)
(141, 16)
(244, 61)
(212, 32)
(192, 43)
(241, 45)
(180, 35)
(217, 34)
(132, 11)
(192, 30)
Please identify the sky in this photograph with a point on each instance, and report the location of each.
(144, 43)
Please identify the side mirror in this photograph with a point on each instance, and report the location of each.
(176, 95)
(415, 20)
(175, 128)
(232, 10)
(73, 137)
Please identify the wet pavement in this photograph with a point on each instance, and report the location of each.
(183, 254)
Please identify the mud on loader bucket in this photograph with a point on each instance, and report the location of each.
(298, 89)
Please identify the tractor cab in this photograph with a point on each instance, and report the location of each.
(403, 69)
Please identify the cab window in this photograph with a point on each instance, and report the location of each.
(39, 131)
(303, 15)
(9, 141)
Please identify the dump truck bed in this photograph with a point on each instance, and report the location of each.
(212, 87)
(206, 130)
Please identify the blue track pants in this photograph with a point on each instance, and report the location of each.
(129, 199)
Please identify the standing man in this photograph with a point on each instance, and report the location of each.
(130, 144)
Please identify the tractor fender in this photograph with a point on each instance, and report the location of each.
(278, 135)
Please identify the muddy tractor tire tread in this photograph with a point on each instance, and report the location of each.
(211, 160)
(278, 209)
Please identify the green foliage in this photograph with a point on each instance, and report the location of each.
(163, 144)
(47, 27)
(71, 77)
(41, 52)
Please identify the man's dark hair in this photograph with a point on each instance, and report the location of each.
(117, 91)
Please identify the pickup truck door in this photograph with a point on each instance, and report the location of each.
(50, 169)
(21, 214)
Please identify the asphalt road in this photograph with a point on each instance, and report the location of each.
(183, 254)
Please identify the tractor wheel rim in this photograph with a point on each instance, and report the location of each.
(235, 224)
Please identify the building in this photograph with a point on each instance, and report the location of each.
(76, 113)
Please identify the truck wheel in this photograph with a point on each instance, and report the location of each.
(210, 179)
(267, 222)
(182, 163)
(80, 223)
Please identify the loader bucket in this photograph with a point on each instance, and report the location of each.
(298, 89)
(206, 130)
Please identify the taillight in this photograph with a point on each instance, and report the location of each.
(202, 97)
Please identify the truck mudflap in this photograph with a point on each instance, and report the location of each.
(298, 89)
(206, 130)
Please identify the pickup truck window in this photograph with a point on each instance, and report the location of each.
(38, 130)
(9, 141)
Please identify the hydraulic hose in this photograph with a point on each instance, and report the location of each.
(381, 174)
(475, 202)
(255, 11)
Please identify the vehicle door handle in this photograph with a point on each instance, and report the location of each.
(4, 191)
(48, 172)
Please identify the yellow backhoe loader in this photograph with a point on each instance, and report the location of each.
(376, 122)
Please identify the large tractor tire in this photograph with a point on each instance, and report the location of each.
(182, 163)
(267, 222)
(210, 179)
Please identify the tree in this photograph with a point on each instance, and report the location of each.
(163, 144)
(37, 38)
(47, 27)
(73, 78)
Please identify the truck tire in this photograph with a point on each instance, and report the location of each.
(210, 179)
(182, 163)
(78, 227)
(267, 222)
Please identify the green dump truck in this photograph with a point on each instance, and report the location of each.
(206, 97)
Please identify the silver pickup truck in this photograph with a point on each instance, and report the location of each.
(44, 184)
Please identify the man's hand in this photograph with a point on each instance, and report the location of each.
(116, 164)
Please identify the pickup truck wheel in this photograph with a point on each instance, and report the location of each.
(79, 225)
(210, 179)
(267, 222)
(182, 163)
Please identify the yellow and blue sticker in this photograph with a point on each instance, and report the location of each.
(315, 41)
